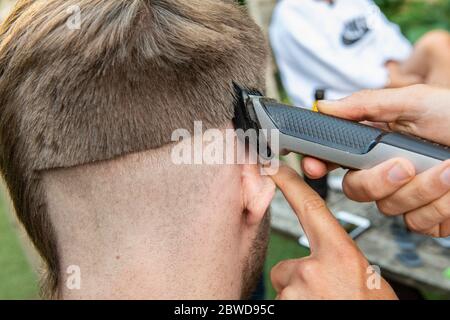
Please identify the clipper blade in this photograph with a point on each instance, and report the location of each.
(244, 115)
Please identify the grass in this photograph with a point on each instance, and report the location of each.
(17, 280)
(281, 247)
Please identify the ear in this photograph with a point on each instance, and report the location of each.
(258, 191)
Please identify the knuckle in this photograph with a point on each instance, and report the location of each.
(412, 223)
(373, 106)
(373, 192)
(313, 203)
(289, 175)
(442, 210)
(354, 100)
(307, 270)
(387, 207)
(422, 192)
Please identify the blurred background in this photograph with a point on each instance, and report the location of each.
(430, 279)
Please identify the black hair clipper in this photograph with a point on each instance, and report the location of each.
(349, 144)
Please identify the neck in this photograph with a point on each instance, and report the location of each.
(156, 273)
(130, 237)
(155, 259)
(151, 267)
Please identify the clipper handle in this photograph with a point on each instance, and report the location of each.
(349, 144)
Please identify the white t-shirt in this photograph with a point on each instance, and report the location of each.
(341, 48)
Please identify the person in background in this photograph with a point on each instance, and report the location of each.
(5, 7)
(344, 46)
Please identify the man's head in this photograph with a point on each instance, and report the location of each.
(86, 117)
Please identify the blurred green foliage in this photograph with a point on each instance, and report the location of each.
(17, 279)
(416, 17)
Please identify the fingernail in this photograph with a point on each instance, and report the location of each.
(398, 173)
(445, 177)
(308, 167)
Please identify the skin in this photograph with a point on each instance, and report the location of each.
(429, 63)
(132, 240)
(399, 78)
(422, 199)
(336, 268)
(141, 227)
(430, 59)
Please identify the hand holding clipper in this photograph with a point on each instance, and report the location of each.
(350, 144)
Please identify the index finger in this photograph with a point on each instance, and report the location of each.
(385, 105)
(322, 229)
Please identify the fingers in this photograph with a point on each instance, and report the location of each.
(445, 229)
(281, 274)
(378, 182)
(315, 169)
(422, 190)
(428, 219)
(322, 229)
(387, 105)
(424, 199)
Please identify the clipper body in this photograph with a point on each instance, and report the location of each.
(349, 144)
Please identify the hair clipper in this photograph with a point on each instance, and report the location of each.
(349, 144)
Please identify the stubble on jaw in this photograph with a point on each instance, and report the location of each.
(254, 265)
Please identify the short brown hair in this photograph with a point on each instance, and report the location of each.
(134, 72)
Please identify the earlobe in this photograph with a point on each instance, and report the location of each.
(258, 192)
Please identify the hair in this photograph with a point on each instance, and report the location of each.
(135, 71)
